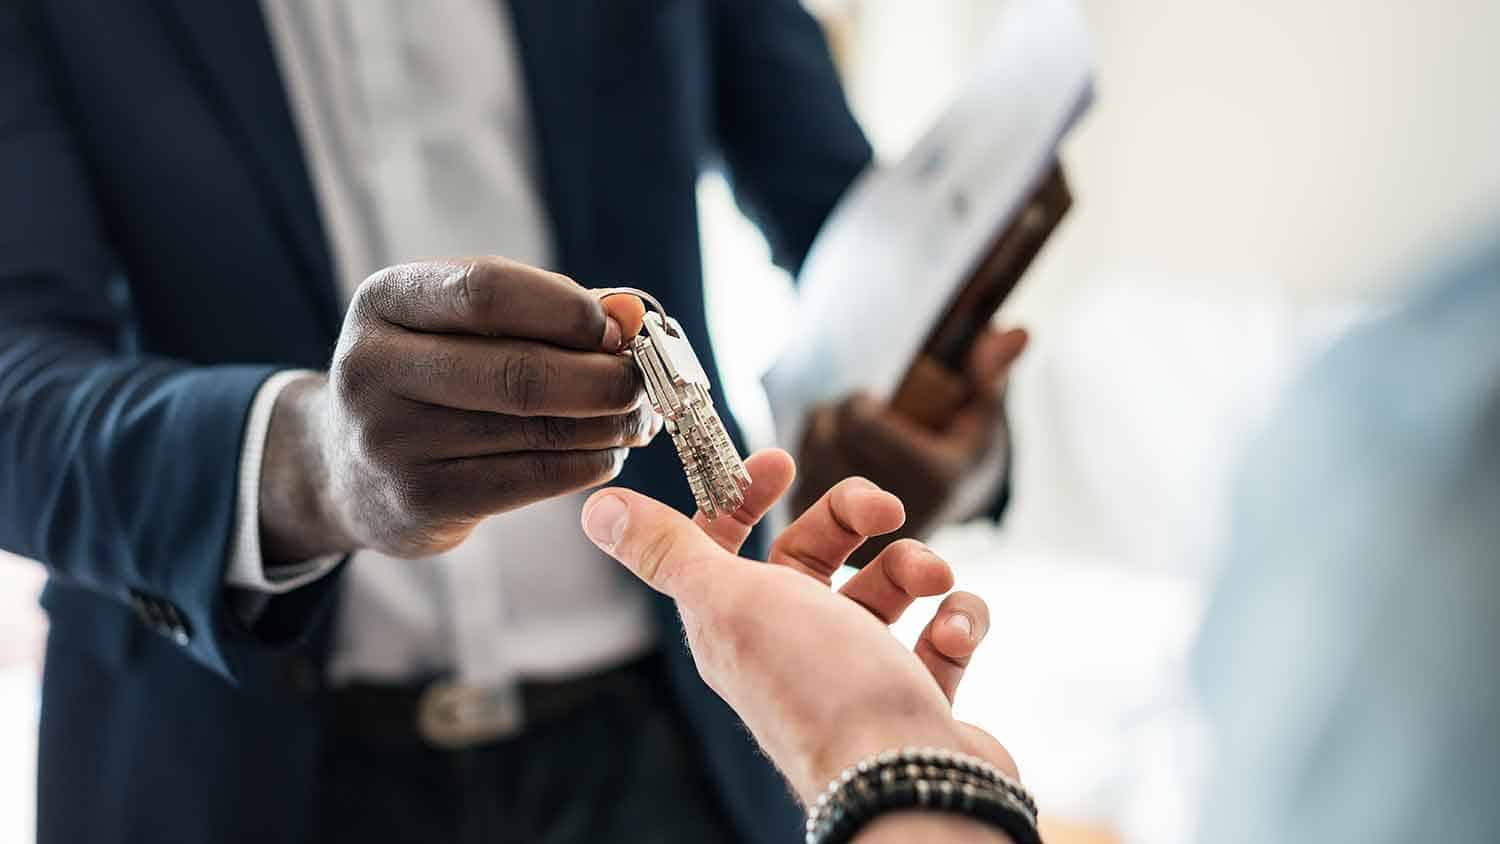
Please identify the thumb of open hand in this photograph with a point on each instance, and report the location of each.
(658, 544)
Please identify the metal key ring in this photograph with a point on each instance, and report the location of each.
(637, 292)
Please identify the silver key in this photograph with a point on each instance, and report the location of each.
(678, 389)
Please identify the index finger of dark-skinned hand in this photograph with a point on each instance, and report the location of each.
(490, 296)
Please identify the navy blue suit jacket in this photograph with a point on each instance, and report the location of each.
(161, 254)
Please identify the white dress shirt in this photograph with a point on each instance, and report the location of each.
(414, 124)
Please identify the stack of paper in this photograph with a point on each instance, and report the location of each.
(905, 238)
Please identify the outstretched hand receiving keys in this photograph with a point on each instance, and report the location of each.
(815, 674)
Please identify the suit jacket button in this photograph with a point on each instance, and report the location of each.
(161, 616)
(174, 625)
(145, 609)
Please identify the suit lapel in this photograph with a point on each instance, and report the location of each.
(229, 48)
(558, 40)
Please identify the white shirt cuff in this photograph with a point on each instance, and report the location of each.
(247, 570)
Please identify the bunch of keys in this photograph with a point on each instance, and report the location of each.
(678, 390)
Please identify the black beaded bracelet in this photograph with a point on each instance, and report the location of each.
(924, 778)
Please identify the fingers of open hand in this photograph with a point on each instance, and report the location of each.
(821, 539)
(487, 296)
(949, 640)
(658, 544)
(904, 571)
(771, 472)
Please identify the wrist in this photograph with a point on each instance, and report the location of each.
(848, 747)
(299, 519)
(918, 827)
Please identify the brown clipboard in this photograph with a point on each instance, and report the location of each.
(933, 388)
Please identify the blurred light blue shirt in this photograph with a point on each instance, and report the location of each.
(1350, 662)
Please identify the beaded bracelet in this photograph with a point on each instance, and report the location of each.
(921, 778)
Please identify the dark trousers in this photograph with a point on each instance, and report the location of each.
(621, 768)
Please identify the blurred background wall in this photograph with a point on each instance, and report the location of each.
(1245, 181)
(1273, 158)
(1302, 142)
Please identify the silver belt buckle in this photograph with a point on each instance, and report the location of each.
(454, 716)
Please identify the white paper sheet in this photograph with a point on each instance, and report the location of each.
(901, 242)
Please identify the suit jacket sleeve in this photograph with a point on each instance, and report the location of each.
(788, 140)
(119, 469)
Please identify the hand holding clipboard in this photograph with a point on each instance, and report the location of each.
(933, 387)
(913, 263)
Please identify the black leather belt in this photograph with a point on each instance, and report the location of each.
(451, 716)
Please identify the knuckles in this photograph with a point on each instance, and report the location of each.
(379, 291)
(625, 390)
(381, 436)
(362, 367)
(550, 433)
(524, 381)
(418, 494)
(479, 286)
(473, 288)
(361, 305)
(641, 426)
(631, 429)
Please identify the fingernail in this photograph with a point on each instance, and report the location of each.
(605, 521)
(960, 622)
(612, 334)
